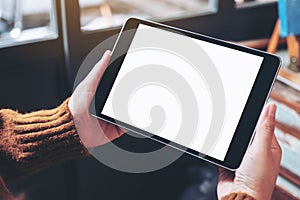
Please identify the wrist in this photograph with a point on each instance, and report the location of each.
(238, 196)
(250, 190)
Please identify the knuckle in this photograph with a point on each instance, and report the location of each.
(268, 126)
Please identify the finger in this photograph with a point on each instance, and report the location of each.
(95, 75)
(225, 182)
(265, 128)
(225, 175)
(124, 130)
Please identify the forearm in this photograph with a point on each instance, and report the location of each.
(33, 141)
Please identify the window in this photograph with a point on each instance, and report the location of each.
(101, 14)
(252, 2)
(24, 21)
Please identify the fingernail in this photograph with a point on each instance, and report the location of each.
(107, 52)
(272, 110)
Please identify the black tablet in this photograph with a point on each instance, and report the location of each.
(195, 93)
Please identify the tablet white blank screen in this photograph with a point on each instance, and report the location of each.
(236, 69)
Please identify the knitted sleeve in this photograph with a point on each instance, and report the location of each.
(237, 196)
(33, 141)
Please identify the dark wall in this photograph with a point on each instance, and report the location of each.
(31, 86)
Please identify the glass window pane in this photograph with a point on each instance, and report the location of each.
(101, 14)
(23, 21)
(252, 2)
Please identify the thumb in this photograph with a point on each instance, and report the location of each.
(93, 78)
(265, 128)
(85, 91)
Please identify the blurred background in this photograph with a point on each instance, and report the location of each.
(42, 44)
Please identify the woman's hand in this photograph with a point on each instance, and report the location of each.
(259, 169)
(93, 132)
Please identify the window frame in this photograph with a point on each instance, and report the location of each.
(260, 17)
(73, 45)
(44, 49)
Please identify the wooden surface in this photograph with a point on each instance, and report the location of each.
(273, 44)
(280, 194)
(286, 95)
(290, 176)
(290, 129)
(288, 134)
(289, 75)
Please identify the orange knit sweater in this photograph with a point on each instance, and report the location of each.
(33, 141)
(37, 140)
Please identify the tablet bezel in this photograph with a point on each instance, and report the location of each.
(248, 120)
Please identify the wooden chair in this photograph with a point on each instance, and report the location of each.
(293, 46)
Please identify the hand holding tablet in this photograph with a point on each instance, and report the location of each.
(195, 93)
(260, 166)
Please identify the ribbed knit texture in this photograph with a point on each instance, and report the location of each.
(237, 196)
(33, 141)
